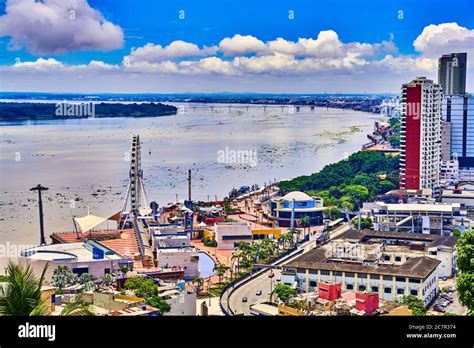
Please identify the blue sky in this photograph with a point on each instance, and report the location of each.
(363, 33)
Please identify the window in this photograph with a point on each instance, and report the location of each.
(414, 280)
(350, 274)
(375, 288)
(386, 257)
(337, 274)
(400, 291)
(107, 271)
(361, 287)
(387, 290)
(389, 278)
(326, 273)
(374, 277)
(349, 286)
(400, 279)
(398, 258)
(414, 292)
(312, 283)
(313, 271)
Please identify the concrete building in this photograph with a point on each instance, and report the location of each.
(452, 73)
(180, 297)
(458, 120)
(417, 218)
(281, 208)
(185, 258)
(420, 139)
(383, 263)
(463, 197)
(228, 234)
(89, 257)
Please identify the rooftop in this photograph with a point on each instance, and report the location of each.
(441, 208)
(323, 258)
(297, 196)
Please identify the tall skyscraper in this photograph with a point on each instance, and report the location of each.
(420, 140)
(458, 112)
(452, 73)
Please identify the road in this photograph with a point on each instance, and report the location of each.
(263, 283)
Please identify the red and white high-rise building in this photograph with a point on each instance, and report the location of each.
(420, 140)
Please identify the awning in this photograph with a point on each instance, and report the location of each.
(90, 221)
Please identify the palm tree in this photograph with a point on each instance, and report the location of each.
(199, 281)
(22, 294)
(305, 222)
(78, 308)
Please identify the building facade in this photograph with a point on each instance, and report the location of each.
(370, 261)
(420, 139)
(281, 208)
(452, 73)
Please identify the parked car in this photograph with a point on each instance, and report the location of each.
(244, 299)
(438, 309)
(279, 279)
(258, 293)
(451, 288)
(447, 298)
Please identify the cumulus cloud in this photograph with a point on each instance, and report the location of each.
(325, 58)
(176, 49)
(240, 45)
(58, 27)
(55, 66)
(436, 40)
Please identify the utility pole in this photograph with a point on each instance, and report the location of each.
(189, 185)
(40, 188)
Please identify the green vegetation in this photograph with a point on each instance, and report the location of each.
(465, 264)
(415, 305)
(3, 278)
(365, 223)
(209, 242)
(285, 292)
(22, 295)
(29, 111)
(348, 183)
(63, 277)
(246, 255)
(396, 127)
(158, 302)
(142, 287)
(221, 270)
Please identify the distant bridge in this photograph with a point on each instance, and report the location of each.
(291, 108)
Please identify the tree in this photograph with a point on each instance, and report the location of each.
(63, 276)
(415, 305)
(220, 270)
(199, 281)
(86, 277)
(305, 222)
(158, 302)
(141, 286)
(465, 264)
(365, 222)
(285, 292)
(108, 280)
(22, 294)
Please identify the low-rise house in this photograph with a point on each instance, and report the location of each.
(84, 257)
(229, 234)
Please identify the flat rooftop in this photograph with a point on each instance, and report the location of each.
(439, 208)
(323, 258)
(73, 252)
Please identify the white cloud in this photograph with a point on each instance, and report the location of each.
(436, 40)
(176, 49)
(320, 62)
(58, 27)
(52, 65)
(240, 45)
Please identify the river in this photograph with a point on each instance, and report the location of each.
(85, 162)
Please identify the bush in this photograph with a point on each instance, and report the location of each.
(158, 302)
(142, 287)
(63, 276)
(415, 304)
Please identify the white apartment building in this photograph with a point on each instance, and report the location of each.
(386, 263)
(185, 258)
